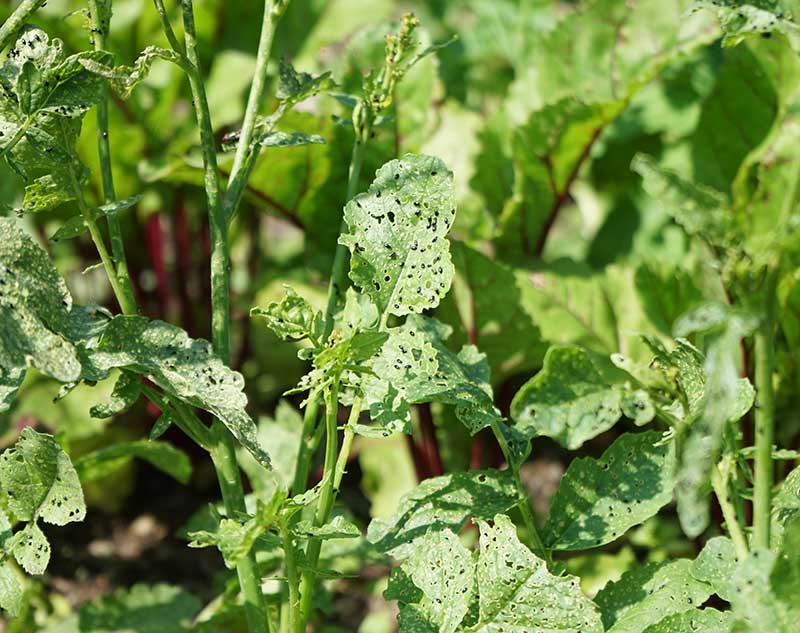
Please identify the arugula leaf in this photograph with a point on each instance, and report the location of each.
(31, 549)
(100, 463)
(40, 482)
(184, 367)
(646, 595)
(515, 592)
(568, 400)
(336, 528)
(445, 502)
(292, 318)
(156, 608)
(785, 505)
(599, 500)
(397, 235)
(696, 620)
(39, 320)
(294, 87)
(716, 564)
(123, 79)
(753, 601)
(11, 590)
(125, 394)
(758, 17)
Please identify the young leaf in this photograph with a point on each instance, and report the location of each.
(294, 87)
(292, 318)
(184, 367)
(396, 234)
(568, 400)
(39, 481)
(48, 192)
(72, 228)
(126, 392)
(161, 425)
(31, 549)
(113, 208)
(284, 139)
(101, 463)
(647, 594)
(336, 528)
(599, 500)
(445, 502)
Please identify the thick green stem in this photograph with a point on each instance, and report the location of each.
(273, 10)
(291, 580)
(326, 499)
(764, 415)
(719, 482)
(100, 25)
(15, 21)
(222, 448)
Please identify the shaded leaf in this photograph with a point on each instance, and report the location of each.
(125, 394)
(716, 564)
(599, 500)
(101, 463)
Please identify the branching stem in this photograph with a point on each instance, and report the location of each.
(719, 482)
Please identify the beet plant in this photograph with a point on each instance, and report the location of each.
(513, 236)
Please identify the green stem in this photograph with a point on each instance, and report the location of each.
(764, 416)
(17, 135)
(185, 419)
(334, 291)
(97, 236)
(326, 499)
(222, 447)
(273, 10)
(291, 579)
(719, 482)
(347, 443)
(15, 21)
(536, 545)
(100, 25)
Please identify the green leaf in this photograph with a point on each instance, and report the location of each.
(445, 502)
(646, 595)
(568, 400)
(695, 620)
(233, 539)
(123, 79)
(516, 592)
(280, 437)
(785, 576)
(292, 318)
(72, 228)
(336, 528)
(716, 565)
(31, 549)
(161, 425)
(294, 86)
(48, 192)
(11, 590)
(114, 207)
(142, 609)
(785, 505)
(37, 313)
(39, 481)
(101, 463)
(415, 366)
(125, 394)
(754, 603)
(444, 570)
(726, 397)
(700, 210)
(397, 235)
(759, 17)
(599, 500)
(184, 367)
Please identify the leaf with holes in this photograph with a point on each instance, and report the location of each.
(695, 620)
(125, 394)
(292, 318)
(40, 324)
(11, 590)
(184, 367)
(31, 549)
(397, 235)
(445, 502)
(40, 482)
(568, 400)
(740, 19)
(646, 595)
(599, 500)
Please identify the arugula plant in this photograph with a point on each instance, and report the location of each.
(391, 341)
